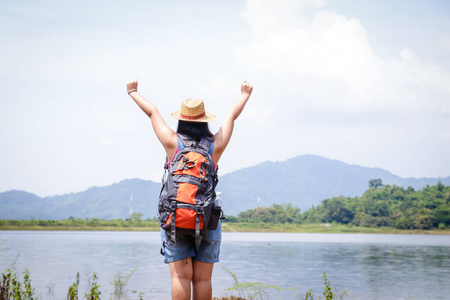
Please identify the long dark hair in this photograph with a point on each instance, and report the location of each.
(196, 130)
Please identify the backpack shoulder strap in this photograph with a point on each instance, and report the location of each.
(185, 141)
(208, 142)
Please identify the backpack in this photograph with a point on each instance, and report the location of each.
(187, 197)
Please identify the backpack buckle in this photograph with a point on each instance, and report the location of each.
(203, 171)
(199, 210)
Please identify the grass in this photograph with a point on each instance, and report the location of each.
(78, 228)
(320, 228)
(243, 227)
(12, 288)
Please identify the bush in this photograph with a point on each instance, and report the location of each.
(403, 223)
(424, 222)
(368, 221)
(443, 215)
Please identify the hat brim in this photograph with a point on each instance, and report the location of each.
(209, 117)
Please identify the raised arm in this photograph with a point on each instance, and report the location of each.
(165, 134)
(223, 136)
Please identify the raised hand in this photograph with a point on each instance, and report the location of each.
(132, 86)
(246, 88)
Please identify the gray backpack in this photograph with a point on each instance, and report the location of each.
(187, 197)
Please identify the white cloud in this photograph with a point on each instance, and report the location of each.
(331, 50)
(327, 92)
(266, 17)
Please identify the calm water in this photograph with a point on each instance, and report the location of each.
(371, 266)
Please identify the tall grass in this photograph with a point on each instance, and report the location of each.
(12, 288)
(120, 281)
(261, 291)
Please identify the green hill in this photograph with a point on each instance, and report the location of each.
(303, 181)
(378, 206)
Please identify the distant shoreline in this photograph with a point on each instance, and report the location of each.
(243, 227)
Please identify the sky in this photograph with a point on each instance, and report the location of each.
(363, 82)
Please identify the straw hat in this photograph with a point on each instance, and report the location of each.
(193, 110)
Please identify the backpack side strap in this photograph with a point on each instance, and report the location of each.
(173, 232)
(198, 236)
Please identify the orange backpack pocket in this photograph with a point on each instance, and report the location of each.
(192, 164)
(185, 218)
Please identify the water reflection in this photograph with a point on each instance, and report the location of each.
(371, 266)
(385, 271)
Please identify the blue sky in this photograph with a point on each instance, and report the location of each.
(364, 82)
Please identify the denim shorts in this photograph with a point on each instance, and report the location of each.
(185, 247)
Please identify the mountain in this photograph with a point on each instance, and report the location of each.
(303, 181)
(107, 202)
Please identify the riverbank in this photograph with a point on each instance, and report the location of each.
(322, 228)
(240, 227)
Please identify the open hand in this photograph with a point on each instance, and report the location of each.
(246, 88)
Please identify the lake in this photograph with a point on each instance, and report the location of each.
(370, 266)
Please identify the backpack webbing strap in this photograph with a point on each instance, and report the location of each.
(192, 180)
(173, 232)
(164, 178)
(198, 237)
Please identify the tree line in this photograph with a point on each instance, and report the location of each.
(380, 205)
(134, 221)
